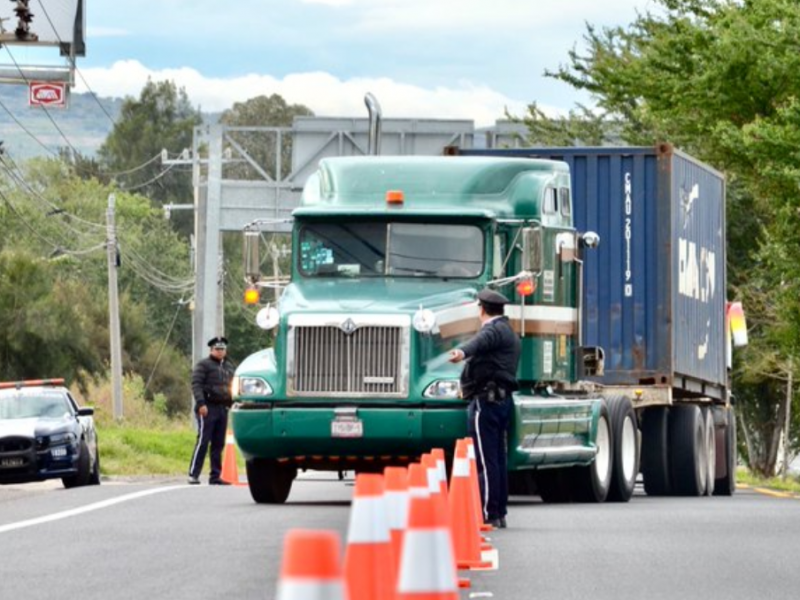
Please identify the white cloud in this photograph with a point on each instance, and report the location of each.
(323, 93)
(98, 32)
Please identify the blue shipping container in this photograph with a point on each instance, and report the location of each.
(655, 288)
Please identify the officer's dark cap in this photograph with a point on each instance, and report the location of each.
(218, 342)
(491, 297)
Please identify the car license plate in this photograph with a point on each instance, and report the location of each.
(12, 462)
(347, 427)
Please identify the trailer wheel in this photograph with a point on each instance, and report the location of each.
(726, 484)
(687, 442)
(593, 482)
(711, 450)
(655, 451)
(625, 456)
(269, 481)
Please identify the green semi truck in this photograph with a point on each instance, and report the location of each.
(388, 255)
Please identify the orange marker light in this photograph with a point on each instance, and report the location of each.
(251, 296)
(395, 197)
(526, 287)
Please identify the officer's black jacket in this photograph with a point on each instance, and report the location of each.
(493, 355)
(211, 381)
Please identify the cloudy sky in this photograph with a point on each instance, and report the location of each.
(466, 59)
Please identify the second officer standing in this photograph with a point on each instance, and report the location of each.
(211, 381)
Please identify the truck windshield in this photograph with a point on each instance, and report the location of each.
(375, 249)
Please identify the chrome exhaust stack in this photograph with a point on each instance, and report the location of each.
(374, 147)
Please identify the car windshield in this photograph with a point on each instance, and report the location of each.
(25, 405)
(378, 249)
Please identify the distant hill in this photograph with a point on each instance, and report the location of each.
(84, 123)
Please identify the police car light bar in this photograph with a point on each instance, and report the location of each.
(30, 383)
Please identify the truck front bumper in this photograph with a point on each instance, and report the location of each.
(309, 436)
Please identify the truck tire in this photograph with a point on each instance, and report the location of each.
(522, 483)
(726, 484)
(269, 481)
(687, 442)
(554, 485)
(593, 482)
(655, 451)
(625, 457)
(711, 450)
(83, 475)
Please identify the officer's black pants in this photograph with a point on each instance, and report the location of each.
(488, 425)
(211, 429)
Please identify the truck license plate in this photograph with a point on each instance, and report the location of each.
(347, 428)
(12, 462)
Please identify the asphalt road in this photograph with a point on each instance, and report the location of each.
(164, 539)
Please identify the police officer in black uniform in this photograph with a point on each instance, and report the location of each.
(488, 378)
(211, 380)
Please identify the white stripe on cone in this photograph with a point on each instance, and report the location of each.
(368, 521)
(310, 589)
(427, 564)
(461, 467)
(433, 481)
(397, 509)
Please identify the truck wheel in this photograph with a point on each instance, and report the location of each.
(592, 483)
(726, 484)
(269, 481)
(625, 457)
(521, 483)
(553, 485)
(84, 473)
(711, 450)
(687, 442)
(655, 451)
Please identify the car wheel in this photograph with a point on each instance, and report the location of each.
(84, 469)
(95, 477)
(269, 481)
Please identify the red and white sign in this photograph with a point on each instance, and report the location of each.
(47, 93)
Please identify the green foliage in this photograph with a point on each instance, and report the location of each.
(162, 118)
(256, 150)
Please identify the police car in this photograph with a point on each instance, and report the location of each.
(45, 435)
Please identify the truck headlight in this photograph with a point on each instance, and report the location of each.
(251, 386)
(424, 320)
(443, 389)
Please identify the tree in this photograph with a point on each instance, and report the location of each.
(718, 78)
(266, 112)
(162, 118)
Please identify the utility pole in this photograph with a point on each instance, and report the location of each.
(113, 310)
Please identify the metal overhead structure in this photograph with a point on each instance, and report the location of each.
(43, 23)
(247, 173)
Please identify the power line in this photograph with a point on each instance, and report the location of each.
(75, 66)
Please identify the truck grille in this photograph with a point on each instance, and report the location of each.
(371, 361)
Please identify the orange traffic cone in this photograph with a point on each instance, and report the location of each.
(441, 467)
(440, 501)
(369, 568)
(466, 534)
(311, 567)
(396, 494)
(427, 566)
(230, 470)
(476, 489)
(417, 481)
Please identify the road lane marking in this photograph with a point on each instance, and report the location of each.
(88, 508)
(774, 493)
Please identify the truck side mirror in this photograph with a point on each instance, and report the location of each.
(252, 259)
(532, 249)
(590, 240)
